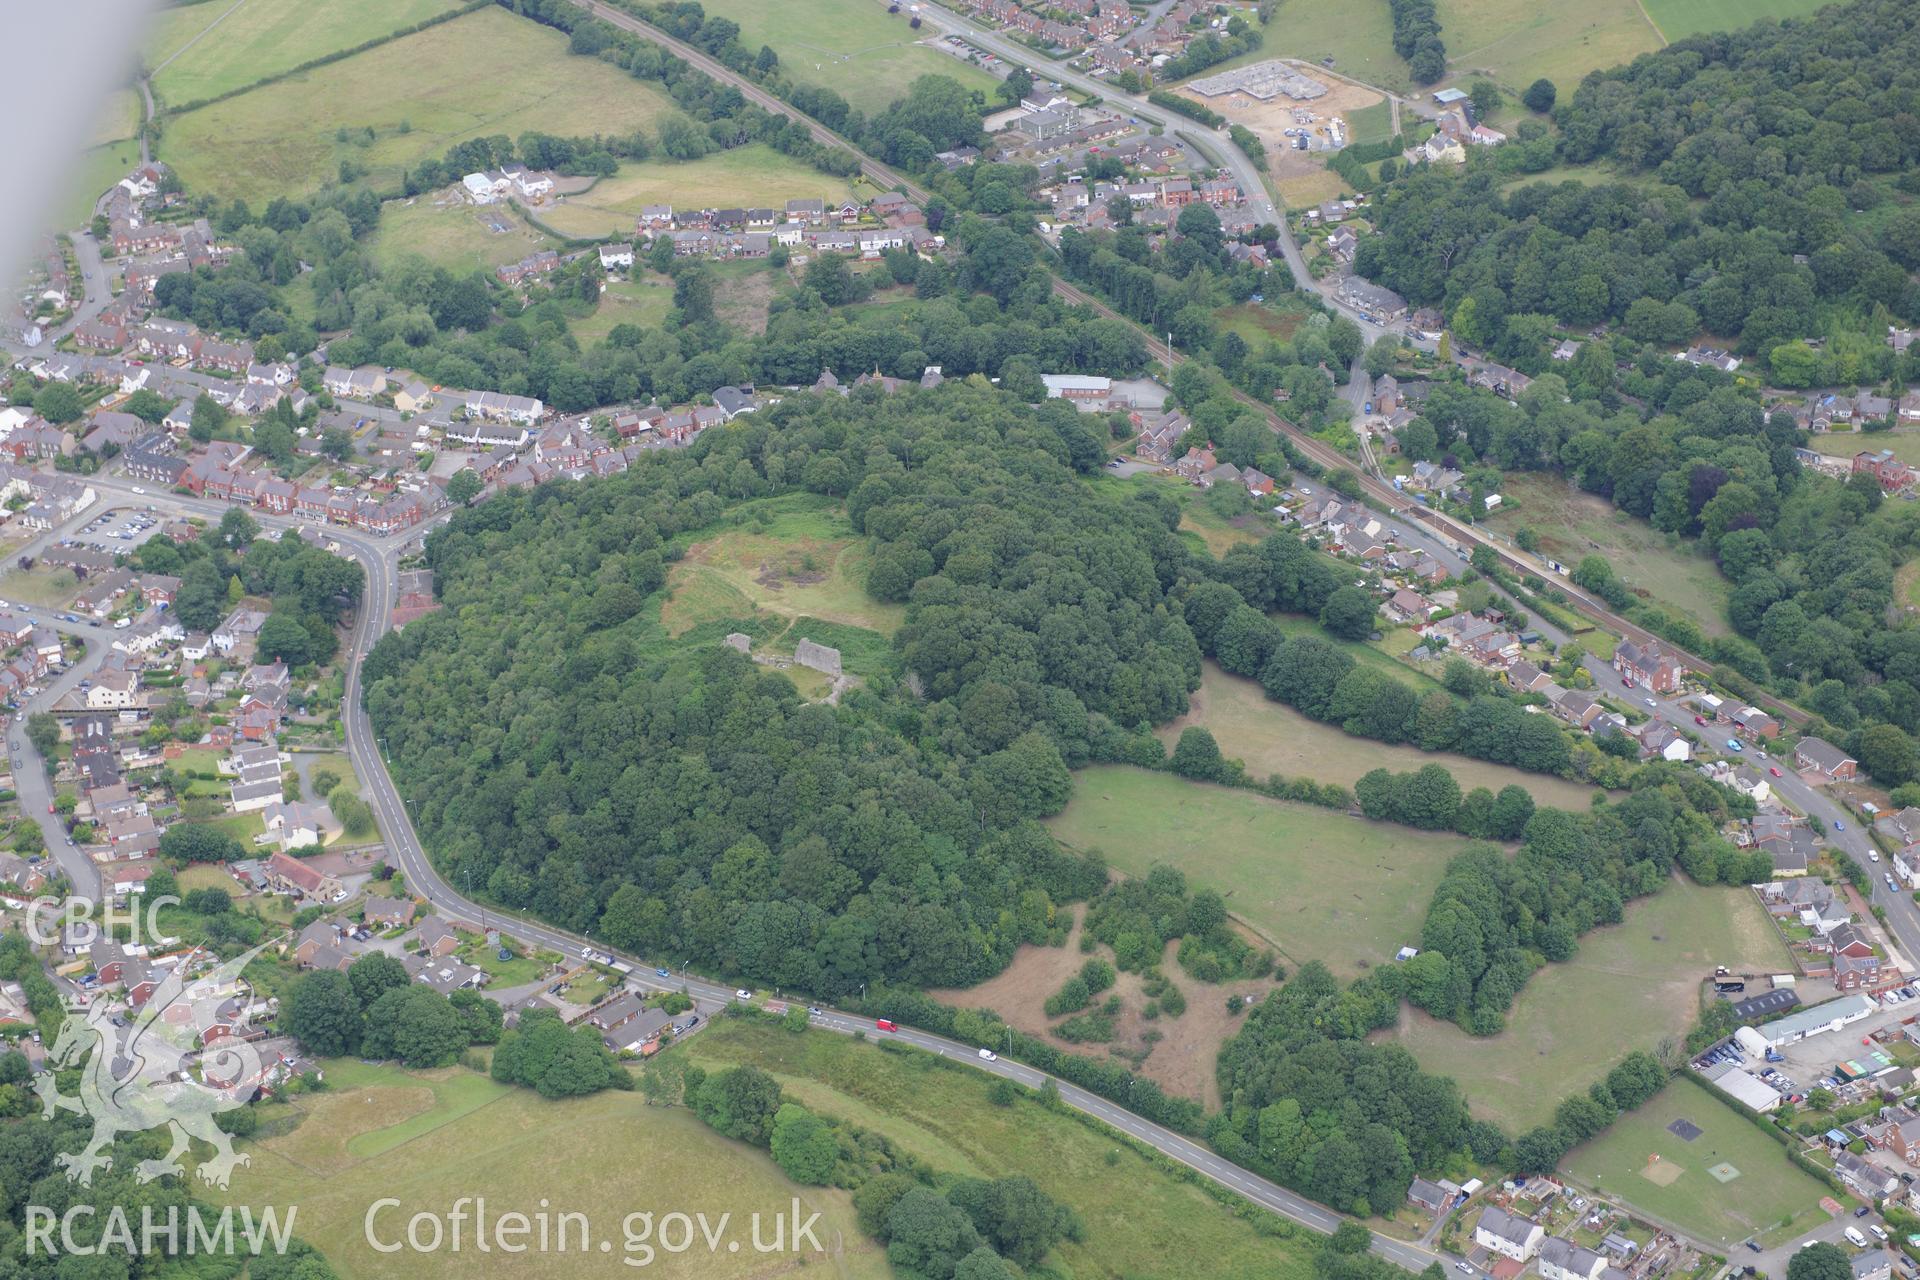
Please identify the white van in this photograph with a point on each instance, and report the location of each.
(1879, 1232)
(1855, 1238)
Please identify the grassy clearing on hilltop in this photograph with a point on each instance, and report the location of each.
(431, 1137)
(745, 177)
(1770, 1197)
(1322, 885)
(218, 47)
(853, 47)
(1271, 737)
(1629, 986)
(801, 560)
(1573, 525)
(456, 236)
(643, 301)
(1140, 1220)
(420, 94)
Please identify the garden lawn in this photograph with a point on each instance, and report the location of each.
(1271, 737)
(1573, 525)
(852, 47)
(1141, 1220)
(1629, 986)
(429, 1138)
(453, 236)
(43, 585)
(744, 177)
(1322, 885)
(203, 50)
(1770, 1198)
(420, 94)
(95, 169)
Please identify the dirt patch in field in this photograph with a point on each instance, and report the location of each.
(1181, 1061)
(774, 576)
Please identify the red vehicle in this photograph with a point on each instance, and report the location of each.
(49, 806)
(1774, 772)
(1699, 719)
(885, 1024)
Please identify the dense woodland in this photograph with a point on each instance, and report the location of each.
(1746, 158)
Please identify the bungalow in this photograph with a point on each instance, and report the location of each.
(1073, 386)
(413, 397)
(389, 913)
(1820, 758)
(436, 938)
(1576, 708)
(616, 257)
(294, 825)
(1756, 723)
(444, 974)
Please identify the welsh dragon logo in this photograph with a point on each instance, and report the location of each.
(155, 1071)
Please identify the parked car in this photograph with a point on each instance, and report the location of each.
(1699, 719)
(1775, 771)
(1839, 825)
(1652, 703)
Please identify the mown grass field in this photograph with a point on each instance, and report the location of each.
(1271, 737)
(1770, 1197)
(853, 47)
(1322, 885)
(1628, 987)
(745, 177)
(1844, 444)
(118, 118)
(207, 50)
(43, 585)
(804, 561)
(1678, 19)
(1573, 525)
(453, 236)
(1140, 1221)
(420, 94)
(428, 1138)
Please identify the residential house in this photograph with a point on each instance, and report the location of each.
(290, 875)
(1562, 1259)
(1887, 470)
(389, 913)
(1818, 757)
(1508, 1234)
(1378, 304)
(1650, 665)
(436, 937)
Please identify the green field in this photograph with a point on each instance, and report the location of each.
(1573, 525)
(1271, 737)
(852, 47)
(644, 301)
(453, 236)
(1770, 1196)
(429, 1138)
(96, 169)
(1629, 986)
(1844, 444)
(1322, 885)
(1371, 124)
(118, 118)
(745, 177)
(202, 50)
(805, 562)
(1140, 1221)
(1678, 19)
(1517, 41)
(44, 585)
(489, 72)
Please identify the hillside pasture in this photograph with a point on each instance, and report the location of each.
(1141, 1220)
(1678, 19)
(1629, 986)
(1518, 41)
(419, 94)
(202, 50)
(1271, 737)
(853, 47)
(1319, 884)
(430, 1137)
